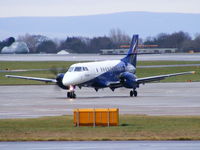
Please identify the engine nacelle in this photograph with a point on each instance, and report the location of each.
(128, 80)
(59, 79)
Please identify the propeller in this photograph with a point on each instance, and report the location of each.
(55, 71)
(58, 75)
(121, 79)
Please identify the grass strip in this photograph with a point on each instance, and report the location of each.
(132, 127)
(12, 65)
(141, 72)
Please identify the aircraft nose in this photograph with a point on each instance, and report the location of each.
(70, 79)
(67, 79)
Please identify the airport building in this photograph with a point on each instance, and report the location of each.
(143, 50)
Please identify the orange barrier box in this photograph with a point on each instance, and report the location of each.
(96, 117)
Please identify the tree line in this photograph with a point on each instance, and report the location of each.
(6, 42)
(42, 44)
(180, 40)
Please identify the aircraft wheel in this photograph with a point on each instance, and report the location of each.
(135, 93)
(68, 94)
(71, 95)
(131, 93)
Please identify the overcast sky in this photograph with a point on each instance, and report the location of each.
(13, 8)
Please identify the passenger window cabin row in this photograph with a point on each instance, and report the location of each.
(101, 69)
(113, 69)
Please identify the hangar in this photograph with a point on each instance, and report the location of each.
(142, 49)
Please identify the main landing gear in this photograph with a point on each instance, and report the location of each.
(71, 94)
(133, 92)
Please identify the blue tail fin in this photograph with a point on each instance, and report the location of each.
(131, 56)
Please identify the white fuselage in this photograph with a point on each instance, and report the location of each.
(82, 72)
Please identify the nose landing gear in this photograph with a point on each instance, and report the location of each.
(133, 92)
(71, 94)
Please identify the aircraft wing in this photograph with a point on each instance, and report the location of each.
(32, 78)
(114, 84)
(161, 77)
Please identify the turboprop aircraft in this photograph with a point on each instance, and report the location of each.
(112, 74)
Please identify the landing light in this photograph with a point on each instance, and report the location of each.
(71, 88)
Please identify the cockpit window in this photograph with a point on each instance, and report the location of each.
(85, 68)
(78, 69)
(70, 69)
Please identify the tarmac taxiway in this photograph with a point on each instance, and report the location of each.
(101, 145)
(30, 101)
(97, 57)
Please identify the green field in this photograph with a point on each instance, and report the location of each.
(141, 72)
(132, 127)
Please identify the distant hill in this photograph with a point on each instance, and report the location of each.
(143, 23)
